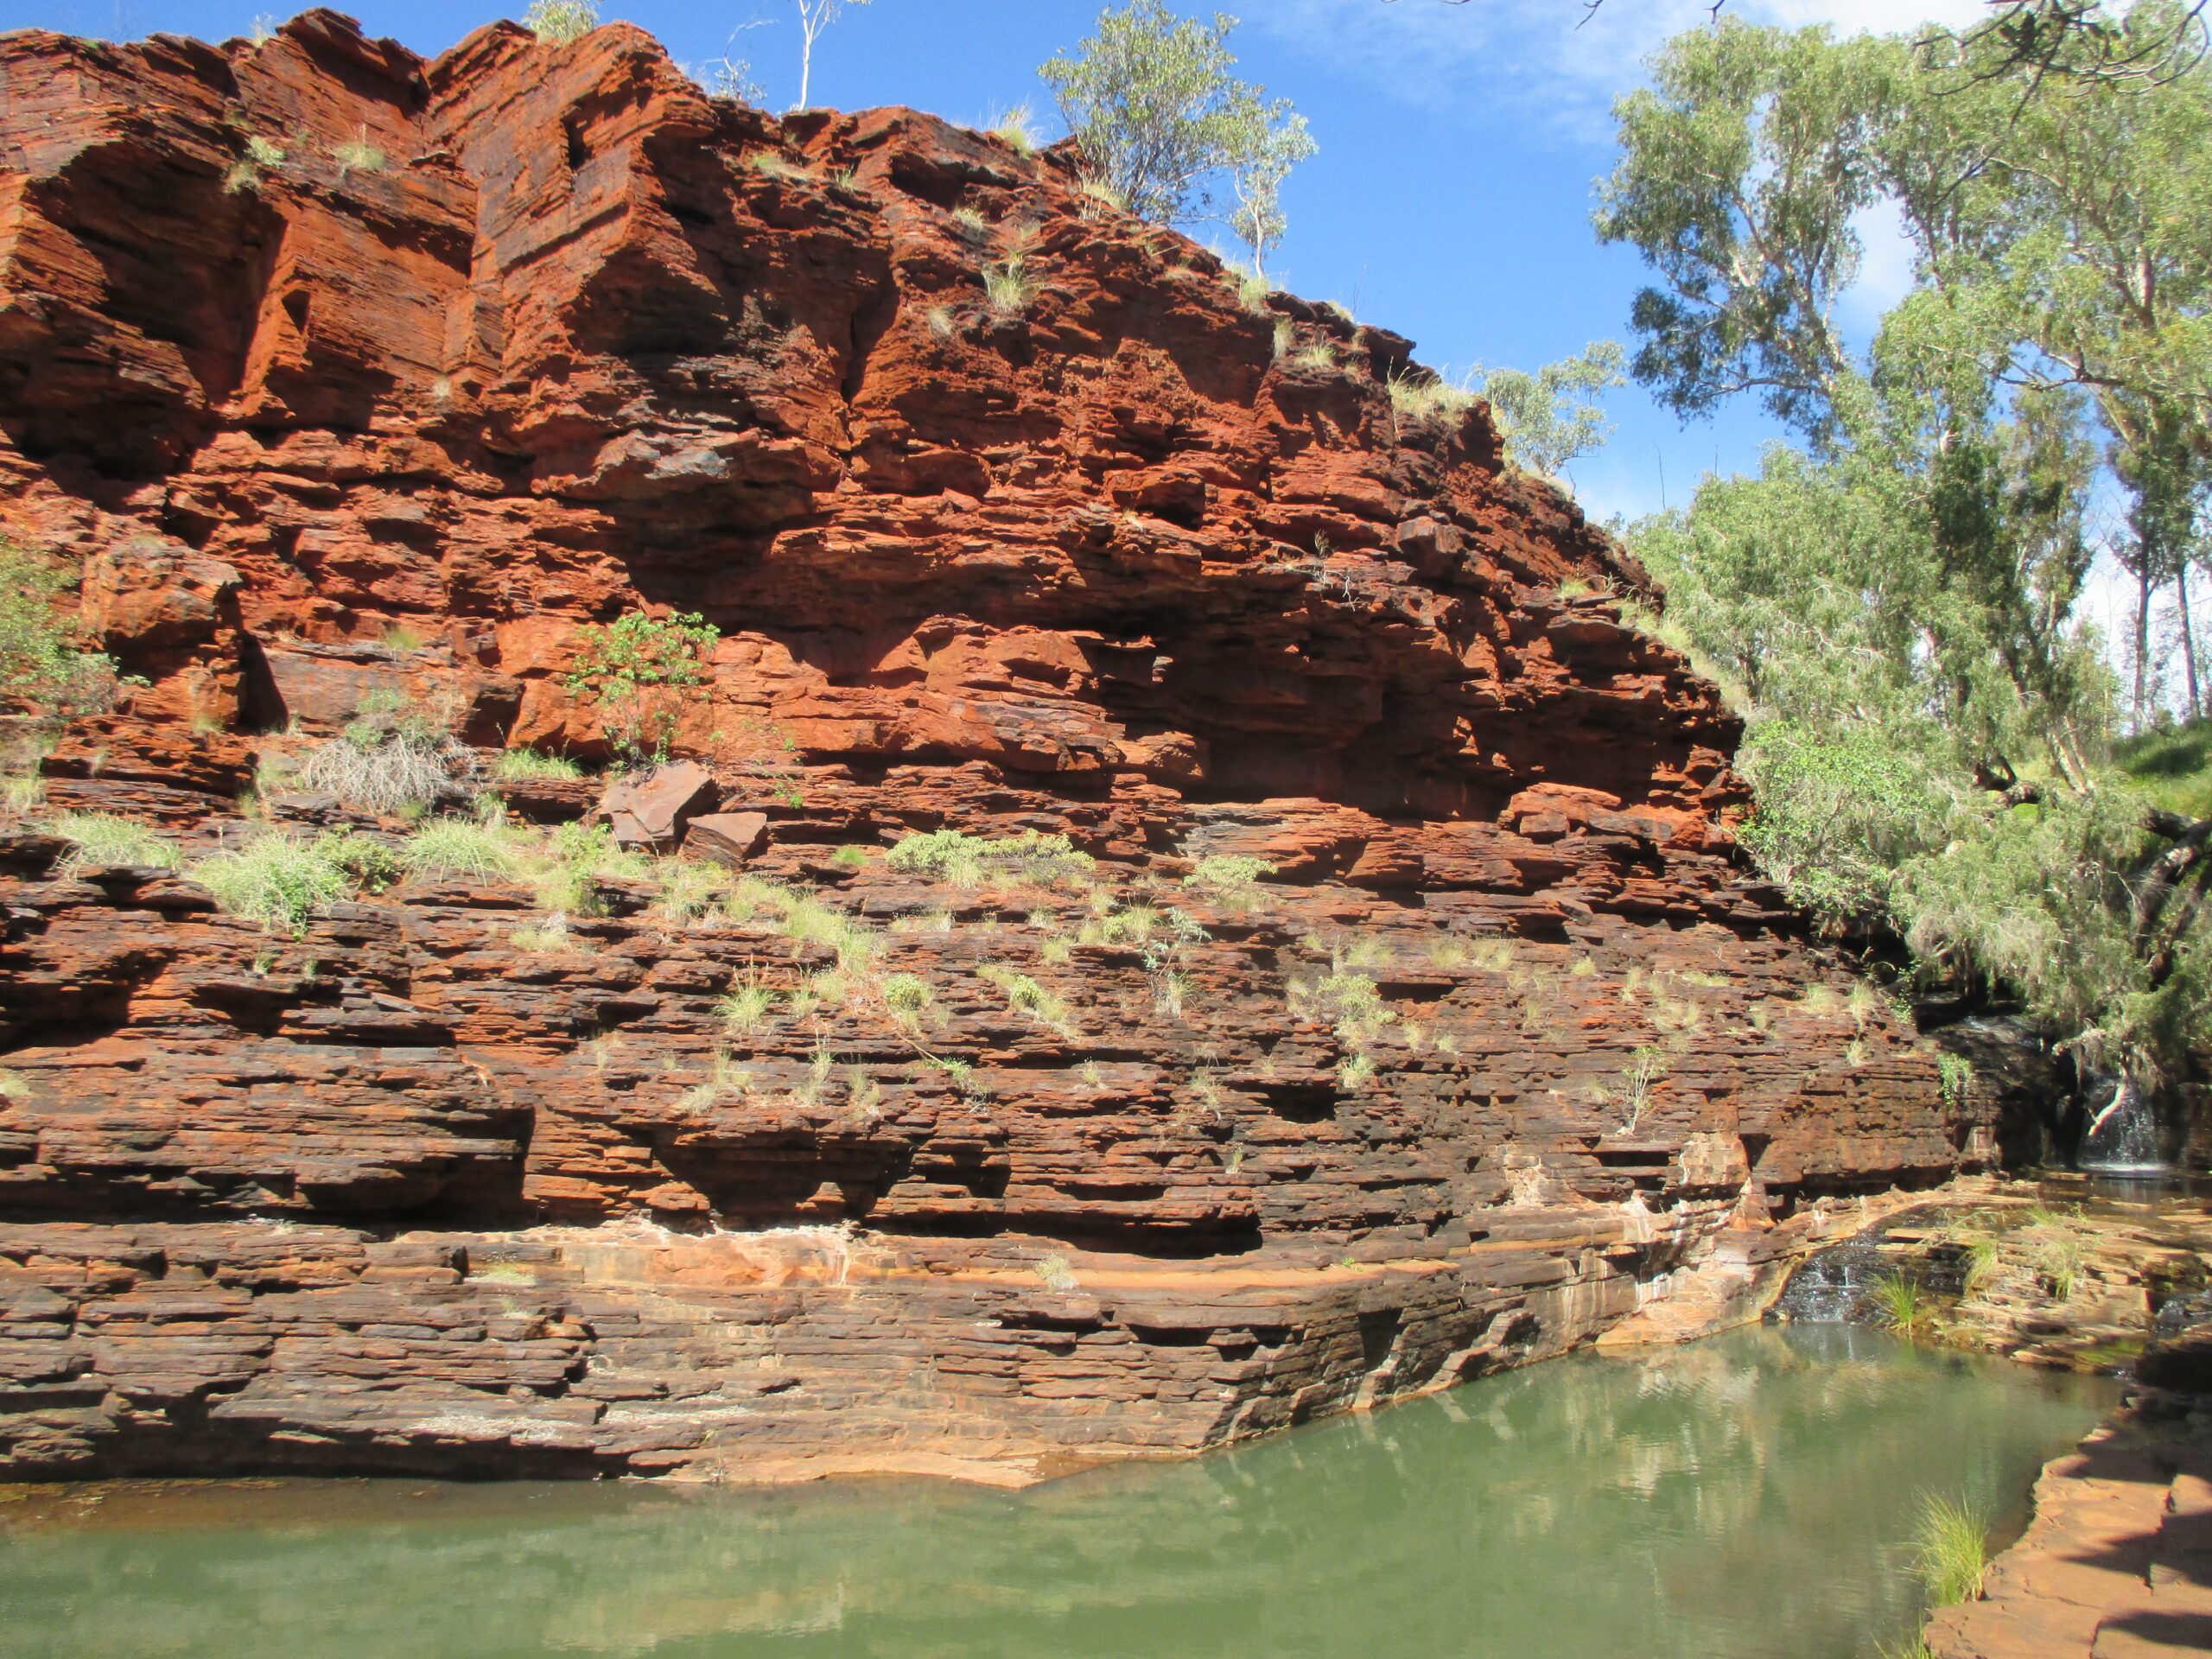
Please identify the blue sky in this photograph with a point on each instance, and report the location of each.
(1449, 201)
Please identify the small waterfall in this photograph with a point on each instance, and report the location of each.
(1829, 1288)
(2122, 1138)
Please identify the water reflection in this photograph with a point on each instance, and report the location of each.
(1731, 1500)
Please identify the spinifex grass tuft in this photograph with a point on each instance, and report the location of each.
(1950, 1550)
(1898, 1304)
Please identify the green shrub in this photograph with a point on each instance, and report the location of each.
(1950, 1550)
(1025, 996)
(1017, 130)
(574, 859)
(561, 21)
(42, 666)
(640, 672)
(1954, 1076)
(357, 155)
(367, 863)
(808, 919)
(524, 765)
(746, 1006)
(279, 880)
(690, 889)
(907, 996)
(101, 838)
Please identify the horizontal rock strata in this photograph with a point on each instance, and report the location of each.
(348, 376)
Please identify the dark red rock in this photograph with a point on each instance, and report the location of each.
(727, 837)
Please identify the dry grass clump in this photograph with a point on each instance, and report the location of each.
(1017, 130)
(1009, 287)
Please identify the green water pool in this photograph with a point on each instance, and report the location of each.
(1744, 1497)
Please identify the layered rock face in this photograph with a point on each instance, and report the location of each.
(344, 374)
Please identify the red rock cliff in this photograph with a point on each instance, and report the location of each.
(342, 372)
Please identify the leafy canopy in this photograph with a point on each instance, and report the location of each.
(1896, 609)
(1158, 115)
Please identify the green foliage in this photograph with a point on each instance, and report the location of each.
(1257, 170)
(746, 1006)
(459, 846)
(2171, 766)
(692, 890)
(1950, 1550)
(1549, 418)
(1955, 1075)
(1157, 114)
(1646, 1065)
(357, 155)
(641, 671)
(907, 996)
(1227, 870)
(102, 838)
(559, 22)
(1898, 1304)
(43, 668)
(1742, 170)
(279, 880)
(524, 765)
(968, 860)
(364, 861)
(1025, 996)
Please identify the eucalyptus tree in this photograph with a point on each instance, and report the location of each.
(1897, 608)
(1549, 418)
(1158, 117)
(814, 16)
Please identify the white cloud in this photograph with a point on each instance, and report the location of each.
(1551, 56)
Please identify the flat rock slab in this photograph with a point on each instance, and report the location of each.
(651, 810)
(727, 837)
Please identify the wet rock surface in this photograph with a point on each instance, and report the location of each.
(1507, 1051)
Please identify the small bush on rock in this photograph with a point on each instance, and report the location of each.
(279, 880)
